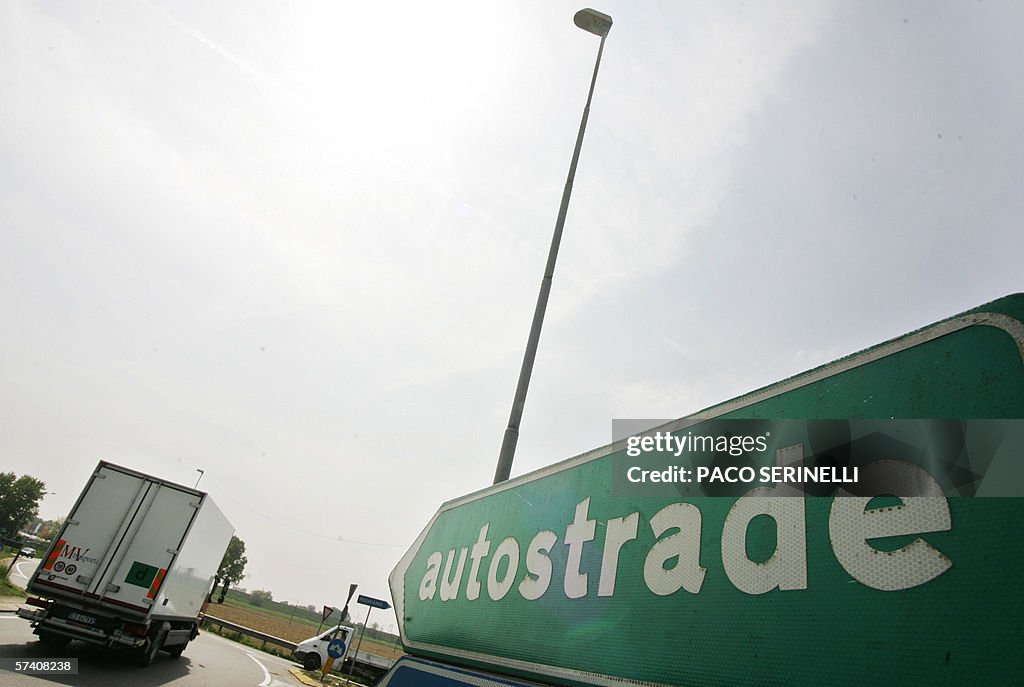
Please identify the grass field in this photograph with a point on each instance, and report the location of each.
(6, 588)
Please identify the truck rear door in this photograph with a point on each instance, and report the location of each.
(136, 572)
(92, 530)
(120, 539)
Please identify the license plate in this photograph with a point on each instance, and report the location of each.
(81, 618)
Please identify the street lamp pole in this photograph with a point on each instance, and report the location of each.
(598, 24)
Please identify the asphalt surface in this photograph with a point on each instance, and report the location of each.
(208, 661)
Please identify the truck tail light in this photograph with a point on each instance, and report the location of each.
(34, 601)
(134, 629)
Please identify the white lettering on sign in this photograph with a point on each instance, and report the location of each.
(576, 535)
(480, 549)
(673, 561)
(851, 525)
(683, 547)
(450, 585)
(508, 549)
(429, 585)
(538, 564)
(618, 532)
(787, 566)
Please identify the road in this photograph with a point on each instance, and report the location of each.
(21, 571)
(208, 661)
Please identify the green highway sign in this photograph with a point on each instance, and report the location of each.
(902, 570)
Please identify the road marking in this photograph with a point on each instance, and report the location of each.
(17, 566)
(268, 679)
(266, 673)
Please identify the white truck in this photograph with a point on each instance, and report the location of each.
(133, 566)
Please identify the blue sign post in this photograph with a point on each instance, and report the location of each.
(371, 604)
(376, 603)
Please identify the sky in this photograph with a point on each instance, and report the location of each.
(297, 245)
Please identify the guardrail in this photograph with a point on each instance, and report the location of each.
(255, 634)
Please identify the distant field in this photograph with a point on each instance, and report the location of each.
(294, 631)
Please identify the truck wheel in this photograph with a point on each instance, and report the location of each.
(311, 661)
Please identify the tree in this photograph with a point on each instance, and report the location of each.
(260, 597)
(50, 528)
(232, 566)
(19, 501)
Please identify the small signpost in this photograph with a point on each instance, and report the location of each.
(323, 617)
(335, 650)
(336, 647)
(372, 603)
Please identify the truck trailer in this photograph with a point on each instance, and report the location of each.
(132, 567)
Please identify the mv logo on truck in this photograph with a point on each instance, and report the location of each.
(64, 550)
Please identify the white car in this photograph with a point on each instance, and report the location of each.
(28, 551)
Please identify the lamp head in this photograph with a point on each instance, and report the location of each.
(597, 23)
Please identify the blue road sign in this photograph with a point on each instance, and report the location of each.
(336, 649)
(370, 601)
